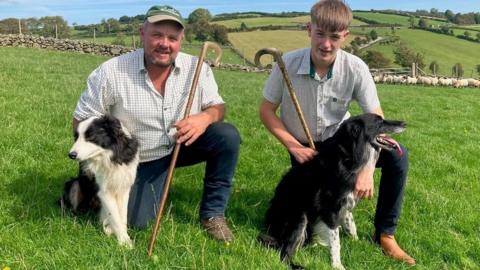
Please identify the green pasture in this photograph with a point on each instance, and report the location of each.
(265, 21)
(248, 43)
(439, 225)
(444, 49)
(461, 31)
(394, 19)
(383, 18)
(128, 39)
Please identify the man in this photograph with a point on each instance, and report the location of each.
(147, 90)
(326, 79)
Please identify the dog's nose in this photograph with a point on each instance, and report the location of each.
(72, 155)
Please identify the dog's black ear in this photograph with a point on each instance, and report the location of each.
(125, 149)
(349, 136)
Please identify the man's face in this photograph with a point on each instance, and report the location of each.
(161, 42)
(325, 44)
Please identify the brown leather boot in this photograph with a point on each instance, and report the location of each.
(391, 248)
(217, 228)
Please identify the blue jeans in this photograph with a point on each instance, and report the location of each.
(392, 185)
(218, 146)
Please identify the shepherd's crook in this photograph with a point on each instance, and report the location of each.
(277, 55)
(176, 149)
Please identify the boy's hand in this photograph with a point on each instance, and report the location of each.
(364, 185)
(301, 153)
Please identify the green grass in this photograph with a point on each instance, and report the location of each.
(395, 19)
(265, 21)
(383, 18)
(439, 225)
(446, 50)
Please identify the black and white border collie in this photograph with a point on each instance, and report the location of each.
(316, 198)
(108, 157)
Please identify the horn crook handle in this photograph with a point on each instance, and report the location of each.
(171, 168)
(277, 55)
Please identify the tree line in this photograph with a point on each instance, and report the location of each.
(447, 15)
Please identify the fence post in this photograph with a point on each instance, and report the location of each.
(414, 70)
(20, 26)
(243, 56)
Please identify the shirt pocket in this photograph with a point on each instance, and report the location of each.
(336, 107)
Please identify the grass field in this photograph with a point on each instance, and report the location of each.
(248, 43)
(394, 19)
(264, 21)
(446, 50)
(439, 225)
(383, 18)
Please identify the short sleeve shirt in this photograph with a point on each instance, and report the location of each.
(122, 87)
(324, 101)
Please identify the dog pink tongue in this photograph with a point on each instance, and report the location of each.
(395, 145)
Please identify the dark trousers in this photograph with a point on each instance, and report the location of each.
(392, 185)
(218, 146)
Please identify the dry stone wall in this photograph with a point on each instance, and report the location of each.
(78, 46)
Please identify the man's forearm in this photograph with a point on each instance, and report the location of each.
(214, 113)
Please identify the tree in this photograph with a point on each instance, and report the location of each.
(199, 14)
(201, 30)
(434, 67)
(54, 26)
(422, 23)
(445, 29)
(113, 25)
(243, 27)
(405, 57)
(119, 39)
(9, 26)
(457, 70)
(376, 59)
(219, 33)
(449, 15)
(477, 18)
(478, 69)
(467, 34)
(125, 19)
(373, 35)
(411, 20)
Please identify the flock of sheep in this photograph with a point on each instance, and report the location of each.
(427, 80)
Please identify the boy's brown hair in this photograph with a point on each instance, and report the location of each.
(331, 15)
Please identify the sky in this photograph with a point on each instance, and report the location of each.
(90, 12)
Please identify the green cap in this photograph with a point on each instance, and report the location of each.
(164, 13)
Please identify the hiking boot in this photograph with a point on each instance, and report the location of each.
(391, 248)
(217, 228)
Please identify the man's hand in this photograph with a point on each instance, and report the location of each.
(301, 153)
(364, 185)
(189, 129)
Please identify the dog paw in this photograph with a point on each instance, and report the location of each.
(125, 241)
(338, 266)
(354, 236)
(107, 229)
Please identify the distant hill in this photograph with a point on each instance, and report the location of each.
(254, 14)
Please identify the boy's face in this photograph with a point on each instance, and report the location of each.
(325, 44)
